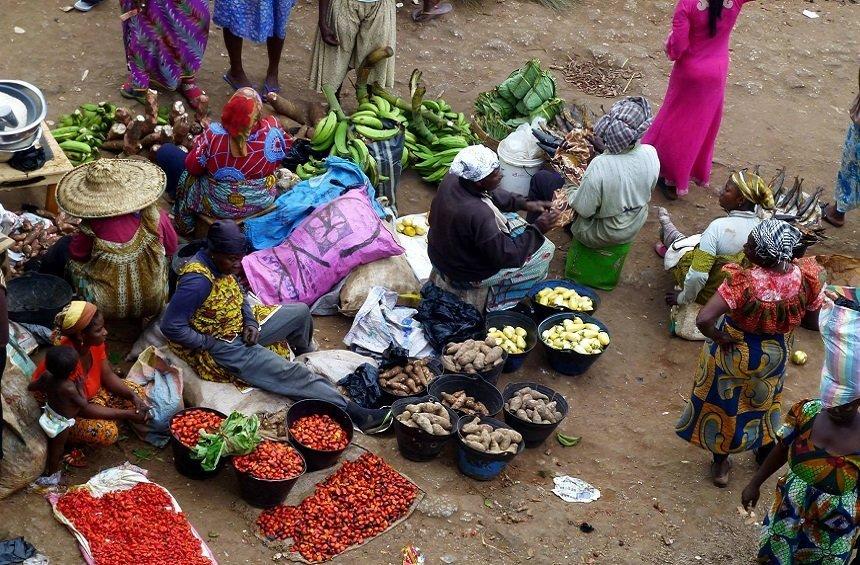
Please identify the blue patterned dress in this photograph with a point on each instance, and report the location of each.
(254, 20)
(848, 178)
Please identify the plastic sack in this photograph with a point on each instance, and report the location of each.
(388, 155)
(840, 330)
(446, 318)
(292, 207)
(334, 364)
(25, 447)
(394, 273)
(682, 321)
(362, 385)
(521, 144)
(162, 387)
(329, 243)
(380, 323)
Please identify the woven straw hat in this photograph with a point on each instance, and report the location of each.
(110, 187)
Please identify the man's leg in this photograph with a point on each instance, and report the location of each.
(294, 324)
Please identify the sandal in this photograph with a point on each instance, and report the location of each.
(191, 92)
(825, 215)
(419, 15)
(267, 89)
(131, 93)
(233, 83)
(660, 249)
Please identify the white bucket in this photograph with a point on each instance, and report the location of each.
(517, 173)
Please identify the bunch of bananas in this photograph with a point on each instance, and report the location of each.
(81, 133)
(313, 168)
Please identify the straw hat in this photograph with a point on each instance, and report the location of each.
(110, 187)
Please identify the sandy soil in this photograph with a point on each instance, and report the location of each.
(791, 81)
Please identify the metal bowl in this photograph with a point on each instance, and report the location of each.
(23, 108)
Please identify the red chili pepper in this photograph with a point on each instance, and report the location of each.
(188, 426)
(138, 525)
(361, 500)
(271, 460)
(320, 432)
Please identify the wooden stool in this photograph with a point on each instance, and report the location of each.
(20, 185)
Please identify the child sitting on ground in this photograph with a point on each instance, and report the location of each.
(65, 398)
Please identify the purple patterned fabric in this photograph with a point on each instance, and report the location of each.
(165, 42)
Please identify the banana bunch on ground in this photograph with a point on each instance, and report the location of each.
(313, 168)
(81, 133)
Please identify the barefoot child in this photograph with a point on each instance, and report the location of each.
(65, 400)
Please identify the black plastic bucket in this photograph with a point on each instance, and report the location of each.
(34, 298)
(475, 386)
(182, 460)
(266, 493)
(542, 312)
(569, 362)
(534, 434)
(477, 464)
(316, 459)
(414, 443)
(499, 320)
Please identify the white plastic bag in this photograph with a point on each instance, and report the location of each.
(521, 144)
(162, 386)
(380, 323)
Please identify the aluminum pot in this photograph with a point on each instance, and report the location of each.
(22, 109)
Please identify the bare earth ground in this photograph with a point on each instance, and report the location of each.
(791, 81)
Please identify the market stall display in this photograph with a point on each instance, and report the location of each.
(519, 397)
(120, 517)
(407, 380)
(524, 329)
(479, 446)
(485, 358)
(320, 431)
(462, 402)
(267, 474)
(564, 336)
(411, 419)
(450, 389)
(34, 233)
(573, 298)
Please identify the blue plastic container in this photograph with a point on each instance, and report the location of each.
(499, 320)
(477, 464)
(567, 361)
(542, 312)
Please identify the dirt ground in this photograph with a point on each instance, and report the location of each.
(791, 81)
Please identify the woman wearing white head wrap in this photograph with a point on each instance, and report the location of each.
(814, 517)
(480, 249)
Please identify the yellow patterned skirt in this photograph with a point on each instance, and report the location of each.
(102, 433)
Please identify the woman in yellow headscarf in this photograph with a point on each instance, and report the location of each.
(696, 262)
(110, 399)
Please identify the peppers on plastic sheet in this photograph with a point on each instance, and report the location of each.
(361, 500)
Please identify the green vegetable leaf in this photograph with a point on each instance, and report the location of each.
(567, 441)
(143, 453)
(237, 435)
(488, 503)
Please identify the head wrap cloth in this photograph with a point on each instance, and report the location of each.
(225, 236)
(239, 116)
(753, 188)
(624, 124)
(475, 163)
(75, 317)
(776, 240)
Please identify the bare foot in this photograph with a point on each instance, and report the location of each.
(833, 216)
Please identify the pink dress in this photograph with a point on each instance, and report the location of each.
(686, 127)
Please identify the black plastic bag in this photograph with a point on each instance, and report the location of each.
(15, 551)
(362, 385)
(446, 318)
(393, 356)
(388, 155)
(298, 154)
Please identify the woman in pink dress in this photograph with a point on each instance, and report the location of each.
(686, 127)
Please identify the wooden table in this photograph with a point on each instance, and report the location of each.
(18, 187)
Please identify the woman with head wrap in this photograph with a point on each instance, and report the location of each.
(229, 172)
(735, 402)
(111, 399)
(225, 337)
(696, 262)
(480, 249)
(815, 513)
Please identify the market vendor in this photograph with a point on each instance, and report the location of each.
(110, 399)
(696, 262)
(488, 258)
(211, 325)
(119, 259)
(230, 171)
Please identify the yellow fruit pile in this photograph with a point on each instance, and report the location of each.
(509, 338)
(577, 336)
(560, 297)
(409, 227)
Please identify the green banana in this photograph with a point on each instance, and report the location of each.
(368, 107)
(404, 159)
(437, 176)
(361, 148)
(381, 103)
(364, 114)
(324, 132)
(340, 137)
(567, 441)
(376, 134)
(75, 146)
(371, 122)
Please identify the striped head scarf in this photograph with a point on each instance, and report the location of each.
(624, 124)
(75, 317)
(775, 239)
(753, 188)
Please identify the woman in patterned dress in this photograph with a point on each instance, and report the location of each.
(164, 45)
(230, 171)
(735, 402)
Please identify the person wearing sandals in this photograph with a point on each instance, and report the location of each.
(260, 21)
(430, 10)
(848, 178)
(348, 31)
(164, 45)
(735, 402)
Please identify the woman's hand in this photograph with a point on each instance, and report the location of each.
(750, 496)
(140, 404)
(672, 297)
(538, 206)
(327, 34)
(250, 335)
(547, 221)
(138, 417)
(724, 339)
(596, 143)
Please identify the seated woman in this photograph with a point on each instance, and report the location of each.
(230, 171)
(214, 328)
(110, 399)
(696, 262)
(487, 258)
(119, 260)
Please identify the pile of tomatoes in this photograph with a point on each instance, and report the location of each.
(272, 461)
(360, 501)
(138, 525)
(320, 432)
(187, 427)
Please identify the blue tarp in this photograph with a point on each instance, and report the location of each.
(295, 205)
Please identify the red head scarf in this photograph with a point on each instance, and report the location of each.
(239, 116)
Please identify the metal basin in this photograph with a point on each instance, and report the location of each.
(22, 109)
